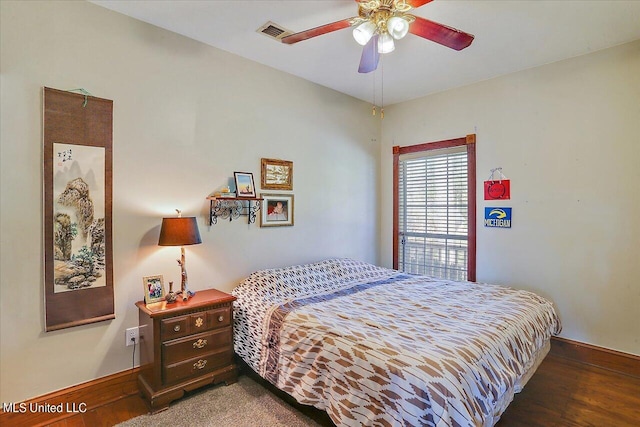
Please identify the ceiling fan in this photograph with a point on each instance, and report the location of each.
(379, 22)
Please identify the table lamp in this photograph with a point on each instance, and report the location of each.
(180, 231)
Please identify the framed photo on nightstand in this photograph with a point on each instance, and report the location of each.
(153, 289)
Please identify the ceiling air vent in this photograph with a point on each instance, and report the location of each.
(273, 30)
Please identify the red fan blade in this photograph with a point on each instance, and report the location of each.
(370, 56)
(417, 3)
(318, 31)
(447, 36)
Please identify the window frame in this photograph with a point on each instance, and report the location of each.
(470, 142)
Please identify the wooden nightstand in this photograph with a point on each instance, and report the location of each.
(185, 345)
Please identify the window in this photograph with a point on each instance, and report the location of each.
(434, 209)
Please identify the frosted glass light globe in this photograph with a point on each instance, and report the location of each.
(363, 32)
(385, 43)
(397, 27)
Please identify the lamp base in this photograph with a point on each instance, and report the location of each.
(186, 294)
(184, 286)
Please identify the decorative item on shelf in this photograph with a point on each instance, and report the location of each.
(225, 192)
(180, 232)
(171, 296)
(244, 184)
(153, 289)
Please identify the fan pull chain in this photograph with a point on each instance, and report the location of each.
(382, 90)
(373, 109)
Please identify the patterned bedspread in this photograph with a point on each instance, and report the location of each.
(373, 346)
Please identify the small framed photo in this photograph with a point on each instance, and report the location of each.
(276, 174)
(244, 184)
(277, 210)
(153, 289)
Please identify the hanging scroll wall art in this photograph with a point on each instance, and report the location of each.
(78, 250)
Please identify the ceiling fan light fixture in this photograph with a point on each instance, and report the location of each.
(385, 43)
(379, 23)
(398, 27)
(363, 32)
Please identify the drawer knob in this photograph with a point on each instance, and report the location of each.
(220, 318)
(176, 328)
(200, 364)
(200, 343)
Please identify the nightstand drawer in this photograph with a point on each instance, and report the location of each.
(219, 318)
(174, 328)
(197, 366)
(196, 345)
(194, 323)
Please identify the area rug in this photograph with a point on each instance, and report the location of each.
(245, 403)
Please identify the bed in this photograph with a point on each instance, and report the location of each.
(374, 346)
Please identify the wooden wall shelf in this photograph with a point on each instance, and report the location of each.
(233, 207)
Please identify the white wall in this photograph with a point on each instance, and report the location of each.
(186, 116)
(568, 136)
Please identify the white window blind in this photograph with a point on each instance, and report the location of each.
(433, 213)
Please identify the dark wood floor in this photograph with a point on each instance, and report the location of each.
(562, 392)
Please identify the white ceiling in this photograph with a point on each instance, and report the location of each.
(509, 36)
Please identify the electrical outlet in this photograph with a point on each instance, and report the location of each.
(131, 335)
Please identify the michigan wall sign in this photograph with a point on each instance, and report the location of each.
(497, 217)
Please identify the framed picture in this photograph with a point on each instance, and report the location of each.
(276, 174)
(244, 184)
(277, 210)
(153, 289)
(77, 184)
